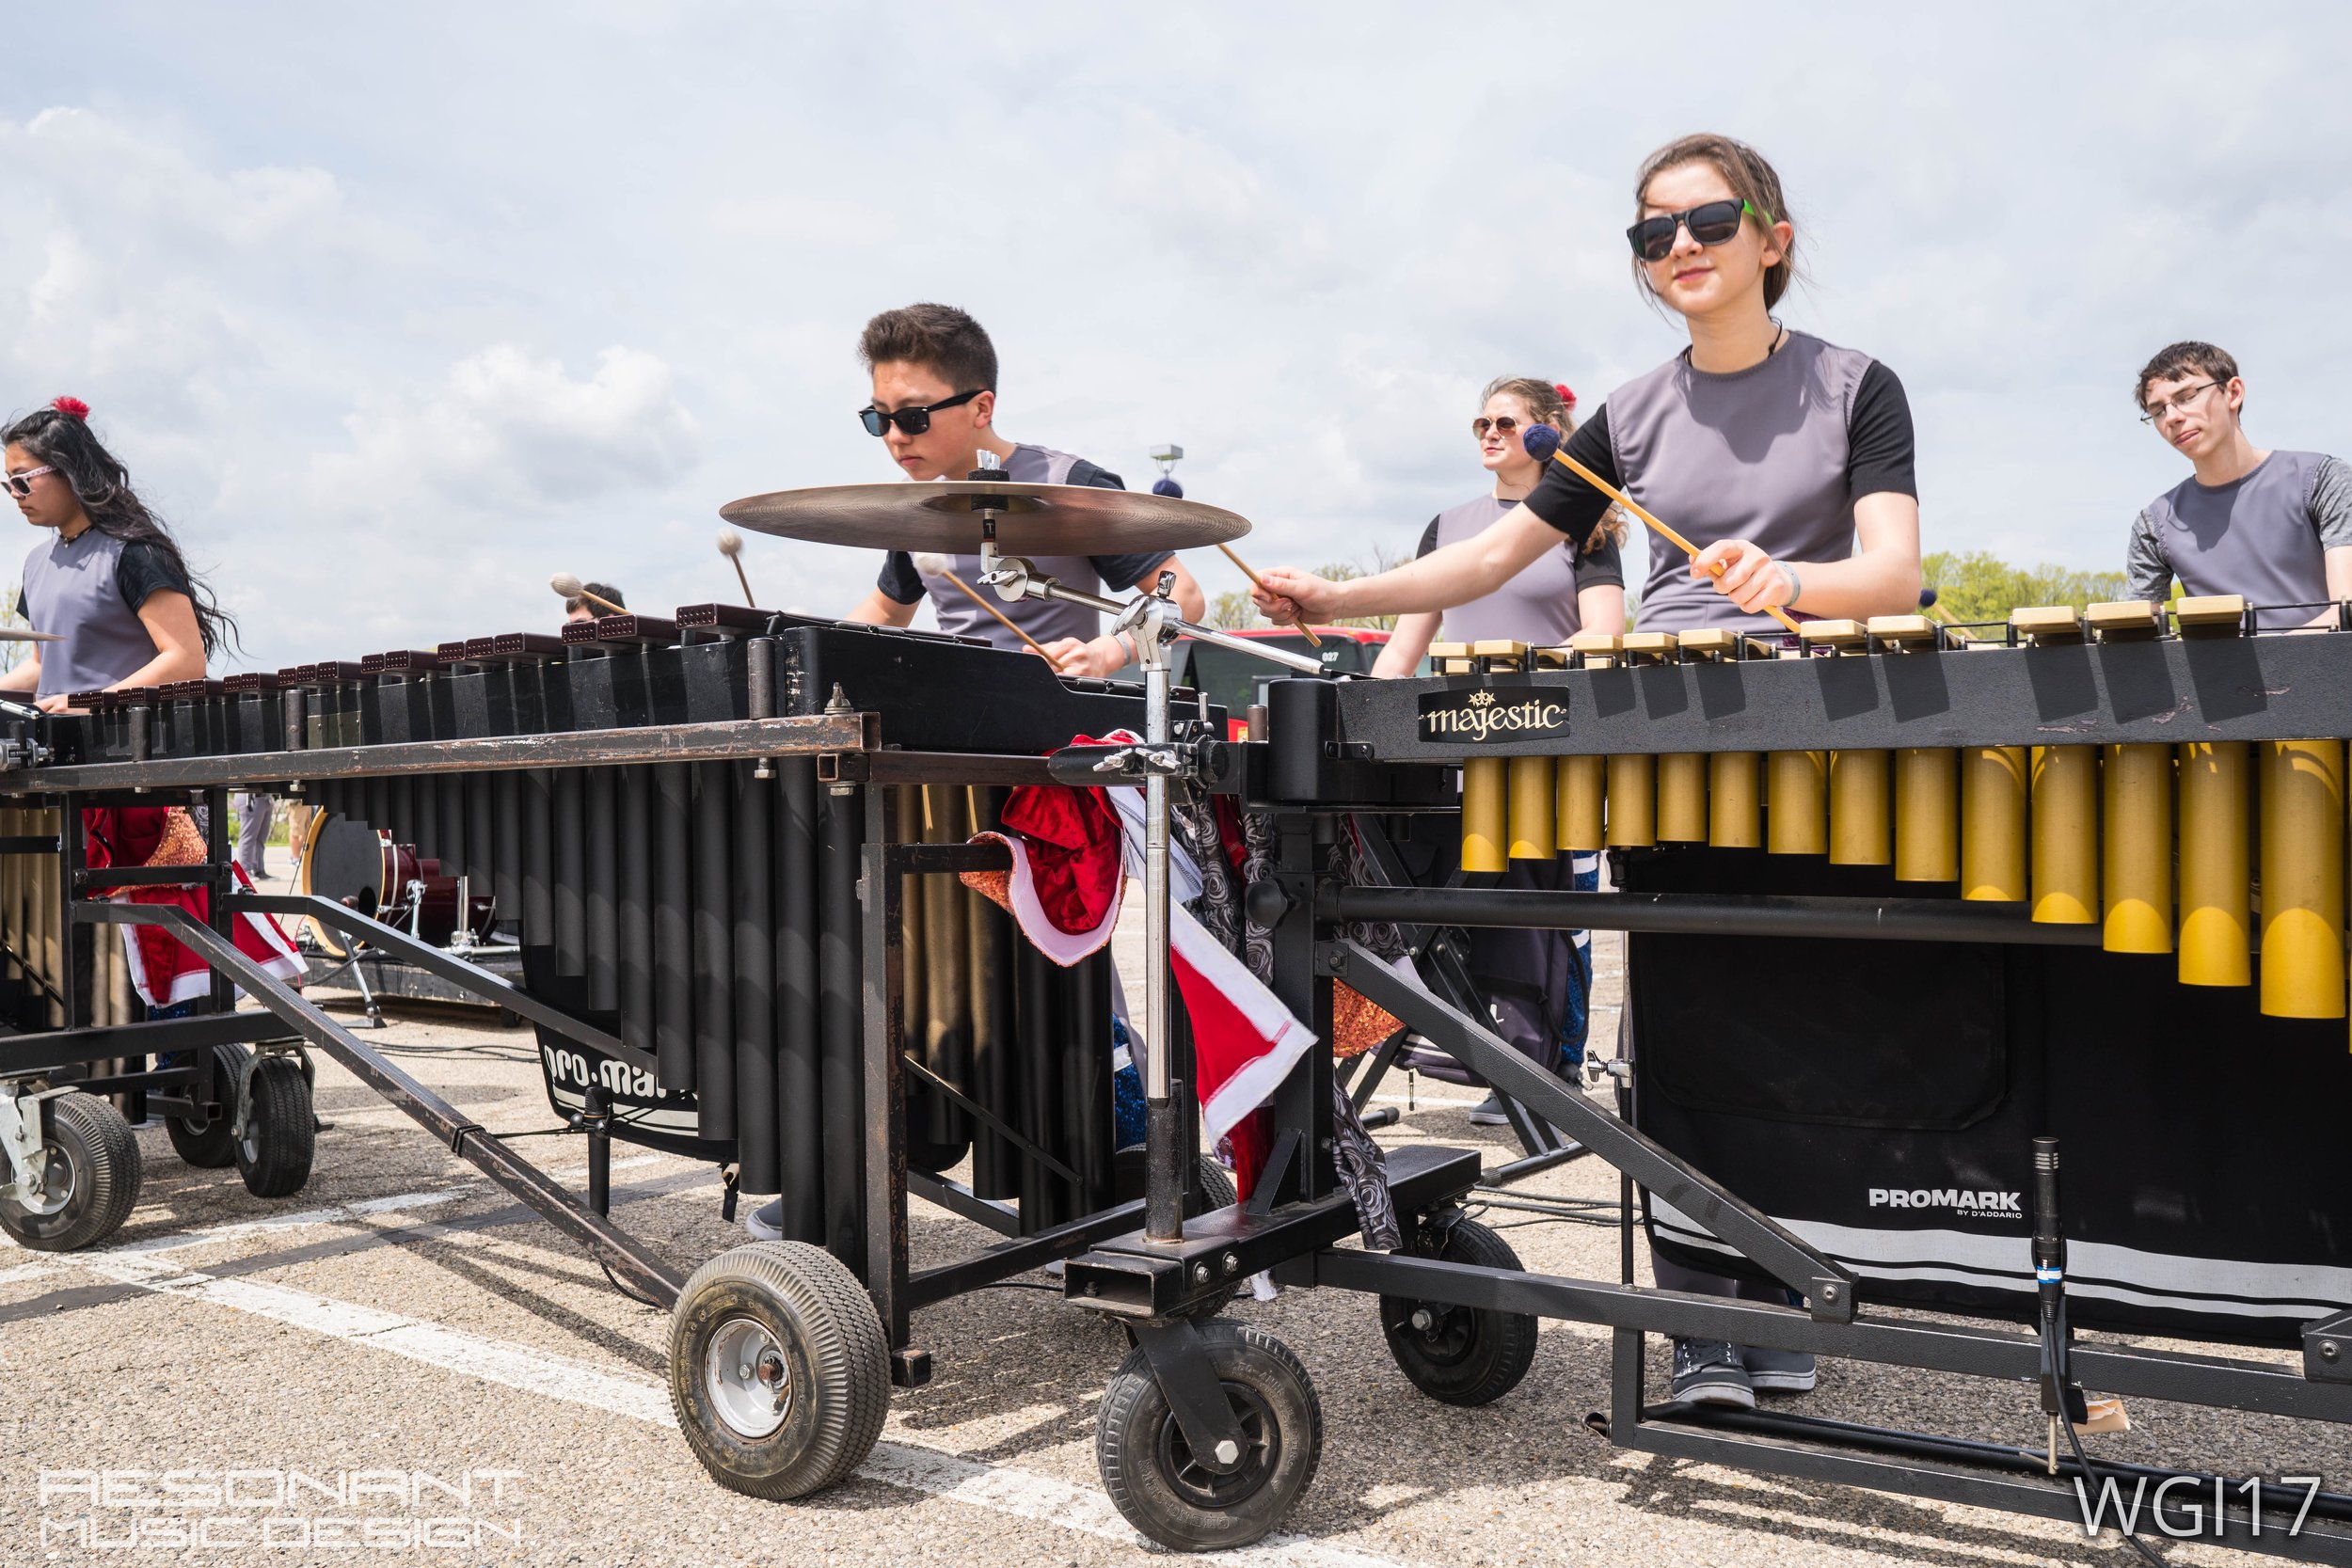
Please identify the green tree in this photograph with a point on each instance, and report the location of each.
(1977, 586)
(13, 653)
(1233, 611)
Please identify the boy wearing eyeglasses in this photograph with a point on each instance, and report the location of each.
(2273, 525)
(934, 406)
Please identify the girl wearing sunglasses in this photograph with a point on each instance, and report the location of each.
(107, 576)
(1787, 459)
(1537, 984)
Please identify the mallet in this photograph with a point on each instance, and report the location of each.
(570, 587)
(1542, 441)
(731, 545)
(937, 566)
(1304, 629)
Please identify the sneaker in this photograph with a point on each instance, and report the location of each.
(1488, 1113)
(766, 1222)
(1708, 1371)
(1778, 1371)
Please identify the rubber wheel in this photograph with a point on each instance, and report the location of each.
(92, 1177)
(1147, 1467)
(208, 1143)
(280, 1133)
(1460, 1354)
(779, 1369)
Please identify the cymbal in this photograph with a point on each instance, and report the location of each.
(1031, 519)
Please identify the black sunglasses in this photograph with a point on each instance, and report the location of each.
(1709, 222)
(912, 420)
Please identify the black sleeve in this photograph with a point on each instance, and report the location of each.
(1600, 564)
(141, 570)
(1428, 540)
(900, 582)
(1119, 571)
(1565, 501)
(1127, 571)
(1881, 451)
(24, 608)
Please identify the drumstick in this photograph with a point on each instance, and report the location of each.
(732, 548)
(1559, 454)
(939, 564)
(1304, 629)
(570, 587)
(731, 545)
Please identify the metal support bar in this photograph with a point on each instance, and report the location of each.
(446, 966)
(1756, 914)
(630, 1260)
(25, 1055)
(995, 1123)
(2002, 1354)
(957, 1198)
(720, 740)
(932, 1285)
(1827, 1288)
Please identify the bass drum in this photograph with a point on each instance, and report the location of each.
(361, 868)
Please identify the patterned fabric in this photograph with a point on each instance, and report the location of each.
(1361, 1170)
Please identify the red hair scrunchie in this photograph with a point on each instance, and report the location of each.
(74, 406)
(1566, 396)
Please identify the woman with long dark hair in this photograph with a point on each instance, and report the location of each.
(109, 580)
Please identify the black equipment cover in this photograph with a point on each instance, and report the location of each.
(1879, 1099)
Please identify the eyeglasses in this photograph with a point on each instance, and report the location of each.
(2149, 415)
(1503, 426)
(1709, 222)
(912, 420)
(22, 485)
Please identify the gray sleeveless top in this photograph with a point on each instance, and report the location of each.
(1046, 619)
(1537, 607)
(73, 587)
(1760, 453)
(2266, 535)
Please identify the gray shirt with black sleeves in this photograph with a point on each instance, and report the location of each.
(1047, 620)
(88, 589)
(2266, 535)
(1777, 453)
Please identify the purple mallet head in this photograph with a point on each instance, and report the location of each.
(1541, 441)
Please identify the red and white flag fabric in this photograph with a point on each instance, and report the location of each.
(1064, 892)
(163, 969)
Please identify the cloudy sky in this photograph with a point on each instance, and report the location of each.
(395, 310)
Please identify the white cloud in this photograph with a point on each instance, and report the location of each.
(505, 430)
(391, 341)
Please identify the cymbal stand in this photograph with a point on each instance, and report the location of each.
(1152, 620)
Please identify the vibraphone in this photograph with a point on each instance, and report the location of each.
(1901, 904)
(727, 844)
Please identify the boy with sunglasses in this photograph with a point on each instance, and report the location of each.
(2273, 525)
(934, 406)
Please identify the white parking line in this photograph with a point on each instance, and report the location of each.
(999, 1488)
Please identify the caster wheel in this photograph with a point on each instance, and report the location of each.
(1150, 1471)
(204, 1141)
(1216, 1192)
(89, 1182)
(280, 1133)
(779, 1369)
(1460, 1354)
